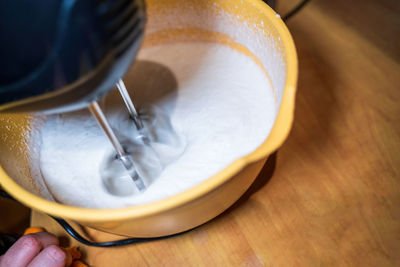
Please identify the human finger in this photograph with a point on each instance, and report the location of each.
(26, 248)
(51, 256)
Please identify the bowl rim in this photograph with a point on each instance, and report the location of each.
(277, 136)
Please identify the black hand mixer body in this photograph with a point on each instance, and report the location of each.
(58, 56)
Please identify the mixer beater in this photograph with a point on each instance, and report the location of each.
(121, 154)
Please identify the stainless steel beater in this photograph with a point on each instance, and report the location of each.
(122, 155)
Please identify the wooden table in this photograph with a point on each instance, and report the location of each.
(334, 196)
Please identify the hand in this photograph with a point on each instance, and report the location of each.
(35, 250)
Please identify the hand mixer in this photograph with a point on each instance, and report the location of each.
(60, 56)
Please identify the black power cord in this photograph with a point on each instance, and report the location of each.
(295, 10)
(292, 12)
(122, 242)
(4, 194)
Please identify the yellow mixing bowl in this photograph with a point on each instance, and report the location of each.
(248, 26)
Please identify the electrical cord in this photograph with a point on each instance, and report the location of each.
(4, 194)
(122, 242)
(295, 10)
(292, 12)
(74, 234)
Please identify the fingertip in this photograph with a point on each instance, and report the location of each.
(51, 256)
(56, 253)
(46, 239)
(31, 242)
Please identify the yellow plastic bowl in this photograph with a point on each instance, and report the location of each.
(248, 26)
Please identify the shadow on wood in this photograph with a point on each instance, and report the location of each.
(262, 179)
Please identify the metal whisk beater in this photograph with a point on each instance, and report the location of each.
(121, 154)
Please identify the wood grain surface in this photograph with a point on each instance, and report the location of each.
(331, 195)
